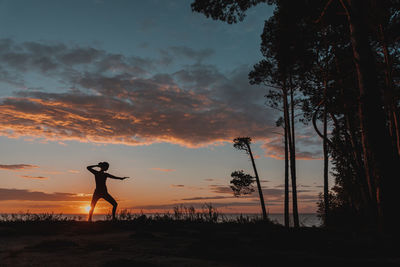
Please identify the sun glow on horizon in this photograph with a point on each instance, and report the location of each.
(86, 208)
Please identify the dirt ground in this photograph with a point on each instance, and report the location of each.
(188, 244)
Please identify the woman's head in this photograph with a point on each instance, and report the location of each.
(104, 166)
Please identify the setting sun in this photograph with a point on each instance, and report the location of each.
(86, 208)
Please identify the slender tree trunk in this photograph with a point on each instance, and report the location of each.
(388, 93)
(293, 164)
(288, 134)
(292, 157)
(381, 169)
(326, 162)
(264, 211)
(286, 212)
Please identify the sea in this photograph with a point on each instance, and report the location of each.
(305, 219)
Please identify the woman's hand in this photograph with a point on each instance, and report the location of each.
(123, 178)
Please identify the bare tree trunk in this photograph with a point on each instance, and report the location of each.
(388, 93)
(326, 162)
(292, 156)
(264, 211)
(380, 166)
(288, 132)
(293, 164)
(287, 223)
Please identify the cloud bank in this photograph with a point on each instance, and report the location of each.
(111, 98)
(101, 97)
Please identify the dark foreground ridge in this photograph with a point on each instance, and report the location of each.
(148, 242)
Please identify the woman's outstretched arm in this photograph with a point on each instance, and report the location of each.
(90, 168)
(116, 177)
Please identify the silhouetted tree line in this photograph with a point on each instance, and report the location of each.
(337, 63)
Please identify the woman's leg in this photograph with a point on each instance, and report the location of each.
(95, 198)
(112, 201)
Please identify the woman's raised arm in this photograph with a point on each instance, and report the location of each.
(90, 168)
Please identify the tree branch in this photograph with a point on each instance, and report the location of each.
(323, 11)
(314, 121)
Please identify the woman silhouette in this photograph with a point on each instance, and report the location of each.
(101, 188)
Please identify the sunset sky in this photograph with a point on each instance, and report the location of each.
(149, 86)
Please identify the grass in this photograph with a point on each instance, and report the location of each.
(36, 217)
(181, 213)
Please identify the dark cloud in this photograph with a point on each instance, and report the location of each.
(308, 198)
(225, 189)
(199, 76)
(29, 55)
(272, 192)
(135, 66)
(57, 58)
(197, 205)
(206, 198)
(10, 78)
(34, 177)
(166, 57)
(17, 167)
(299, 185)
(303, 185)
(221, 189)
(44, 206)
(309, 155)
(23, 194)
(177, 185)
